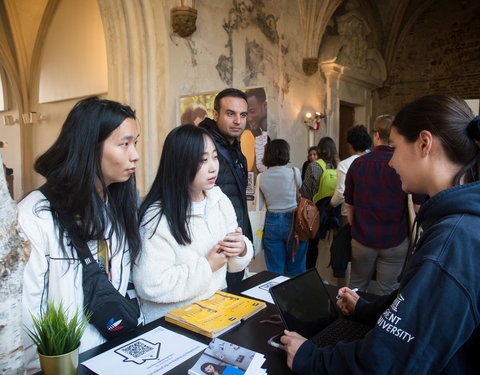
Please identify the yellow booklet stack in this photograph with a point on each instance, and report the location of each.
(215, 315)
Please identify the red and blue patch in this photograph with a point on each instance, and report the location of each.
(114, 326)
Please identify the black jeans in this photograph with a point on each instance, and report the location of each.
(234, 278)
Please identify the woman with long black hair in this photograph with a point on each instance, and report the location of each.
(189, 228)
(92, 200)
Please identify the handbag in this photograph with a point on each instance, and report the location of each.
(305, 221)
(111, 313)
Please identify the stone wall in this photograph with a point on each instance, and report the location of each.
(244, 44)
(13, 256)
(438, 53)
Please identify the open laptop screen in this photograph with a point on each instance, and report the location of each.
(304, 304)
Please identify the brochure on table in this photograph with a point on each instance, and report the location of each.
(262, 291)
(226, 358)
(215, 315)
(154, 352)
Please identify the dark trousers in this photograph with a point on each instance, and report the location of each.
(234, 278)
(312, 252)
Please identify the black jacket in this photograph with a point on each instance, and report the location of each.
(232, 176)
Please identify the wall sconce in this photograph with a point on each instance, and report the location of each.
(8, 120)
(32, 117)
(183, 19)
(313, 119)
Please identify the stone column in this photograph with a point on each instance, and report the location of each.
(14, 253)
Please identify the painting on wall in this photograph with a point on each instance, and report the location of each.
(194, 108)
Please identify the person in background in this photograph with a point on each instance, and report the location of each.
(327, 151)
(199, 114)
(228, 124)
(90, 171)
(328, 158)
(312, 156)
(193, 115)
(377, 210)
(189, 228)
(435, 310)
(358, 140)
(277, 189)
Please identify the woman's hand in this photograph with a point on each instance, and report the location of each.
(292, 341)
(216, 258)
(233, 244)
(348, 300)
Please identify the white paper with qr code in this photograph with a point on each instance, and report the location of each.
(155, 352)
(262, 291)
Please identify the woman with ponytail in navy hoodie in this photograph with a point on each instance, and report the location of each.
(430, 325)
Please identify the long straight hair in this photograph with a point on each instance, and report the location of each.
(72, 165)
(170, 192)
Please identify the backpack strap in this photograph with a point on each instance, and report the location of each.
(83, 252)
(296, 183)
(322, 164)
(292, 227)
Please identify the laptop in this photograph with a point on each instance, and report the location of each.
(306, 307)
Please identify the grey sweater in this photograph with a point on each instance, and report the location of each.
(277, 188)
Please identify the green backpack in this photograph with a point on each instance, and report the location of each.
(328, 182)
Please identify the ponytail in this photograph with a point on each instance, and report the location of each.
(471, 171)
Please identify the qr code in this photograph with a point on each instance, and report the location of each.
(136, 349)
(139, 351)
(268, 285)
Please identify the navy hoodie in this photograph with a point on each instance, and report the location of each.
(430, 325)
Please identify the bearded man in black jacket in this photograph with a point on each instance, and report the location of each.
(229, 122)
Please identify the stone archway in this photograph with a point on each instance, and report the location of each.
(136, 38)
(352, 71)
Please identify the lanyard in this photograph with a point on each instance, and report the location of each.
(105, 254)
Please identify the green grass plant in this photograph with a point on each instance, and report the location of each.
(54, 333)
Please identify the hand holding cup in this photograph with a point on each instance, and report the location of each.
(233, 244)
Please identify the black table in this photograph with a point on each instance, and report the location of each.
(250, 334)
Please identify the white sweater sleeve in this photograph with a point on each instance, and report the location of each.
(166, 272)
(238, 263)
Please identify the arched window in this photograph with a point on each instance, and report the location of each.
(74, 57)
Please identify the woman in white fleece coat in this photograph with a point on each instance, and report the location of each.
(89, 172)
(185, 226)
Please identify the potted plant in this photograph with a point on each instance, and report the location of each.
(58, 338)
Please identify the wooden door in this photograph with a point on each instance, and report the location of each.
(347, 116)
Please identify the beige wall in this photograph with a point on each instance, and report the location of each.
(74, 58)
(193, 65)
(262, 54)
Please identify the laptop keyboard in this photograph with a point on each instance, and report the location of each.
(340, 330)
